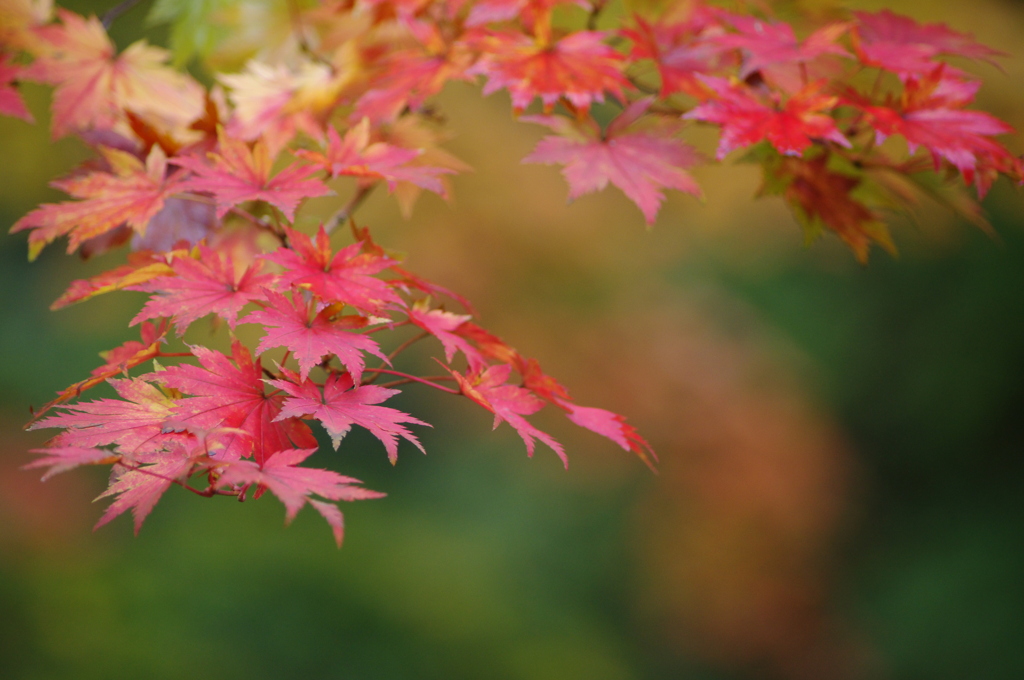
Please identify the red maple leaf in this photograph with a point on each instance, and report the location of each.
(355, 156)
(311, 335)
(930, 114)
(134, 423)
(488, 344)
(228, 393)
(340, 406)
(211, 284)
(407, 78)
(640, 163)
(900, 44)
(680, 50)
(579, 67)
(235, 174)
(132, 194)
(508, 403)
(746, 119)
(346, 276)
(294, 485)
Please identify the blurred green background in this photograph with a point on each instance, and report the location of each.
(840, 488)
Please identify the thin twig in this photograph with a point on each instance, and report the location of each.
(405, 345)
(340, 217)
(416, 379)
(117, 10)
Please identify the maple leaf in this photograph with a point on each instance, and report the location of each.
(488, 344)
(133, 352)
(118, 361)
(613, 426)
(274, 102)
(94, 86)
(679, 51)
(11, 103)
(133, 194)
(745, 119)
(930, 115)
(63, 458)
(209, 284)
(355, 156)
(900, 44)
(443, 326)
(508, 403)
(141, 267)
(419, 133)
(182, 219)
(135, 423)
(640, 163)
(340, 406)
(228, 393)
(293, 485)
(407, 78)
(236, 173)
(345, 276)
(822, 196)
(312, 335)
(579, 67)
(771, 43)
(139, 488)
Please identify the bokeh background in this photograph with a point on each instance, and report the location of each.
(840, 489)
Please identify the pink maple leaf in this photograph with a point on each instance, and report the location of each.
(311, 335)
(11, 103)
(346, 276)
(508, 403)
(640, 163)
(900, 44)
(229, 394)
(771, 43)
(610, 425)
(139, 488)
(63, 458)
(132, 194)
(134, 423)
(211, 284)
(340, 406)
(294, 485)
(235, 174)
(442, 325)
(745, 119)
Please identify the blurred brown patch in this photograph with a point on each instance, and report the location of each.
(738, 538)
(34, 514)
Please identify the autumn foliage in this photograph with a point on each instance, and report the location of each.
(203, 185)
